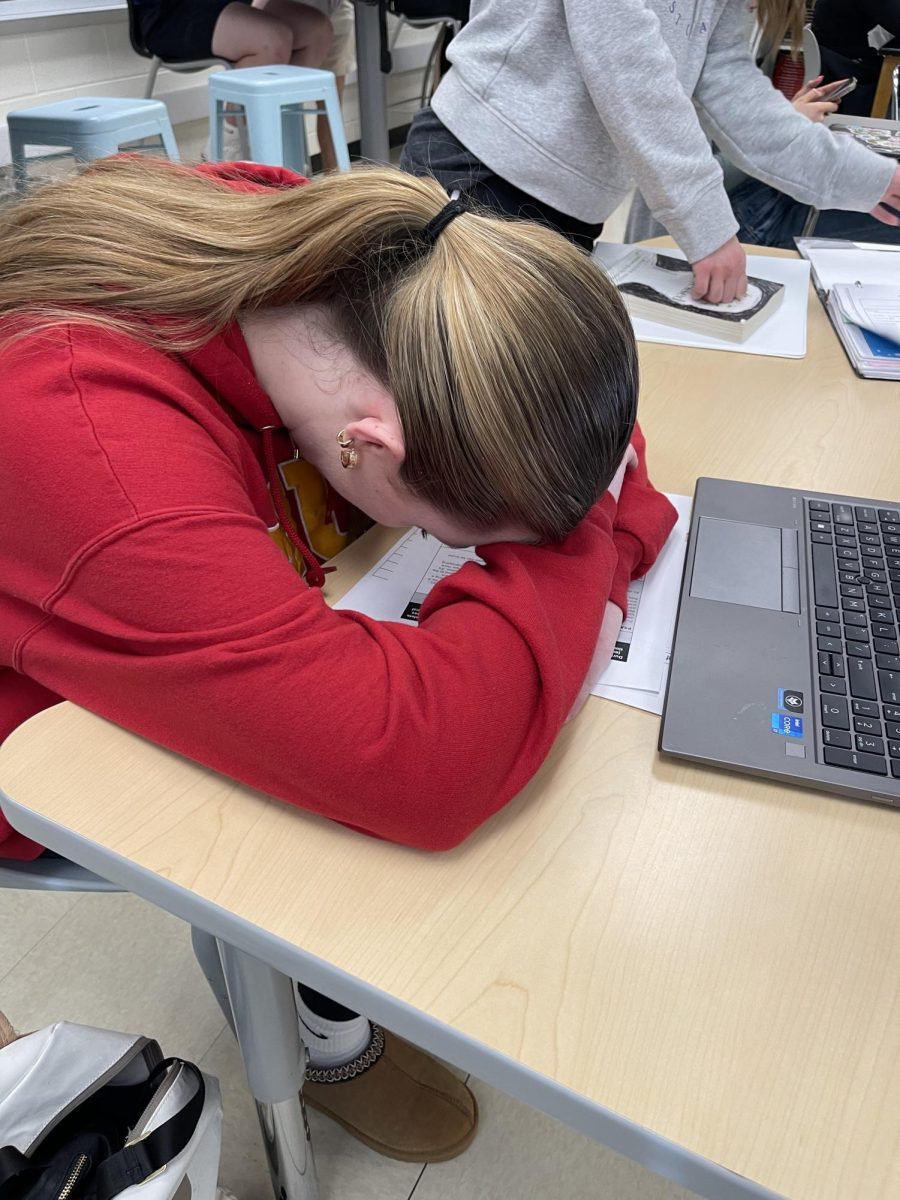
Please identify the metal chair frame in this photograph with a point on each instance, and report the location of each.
(186, 65)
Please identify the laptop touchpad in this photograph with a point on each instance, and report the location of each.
(741, 563)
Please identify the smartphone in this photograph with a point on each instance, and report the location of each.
(844, 90)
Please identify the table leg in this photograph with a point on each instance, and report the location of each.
(371, 87)
(258, 1002)
(884, 90)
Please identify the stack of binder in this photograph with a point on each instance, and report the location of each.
(859, 284)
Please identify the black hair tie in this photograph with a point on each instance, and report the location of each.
(436, 225)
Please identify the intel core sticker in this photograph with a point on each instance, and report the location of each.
(787, 725)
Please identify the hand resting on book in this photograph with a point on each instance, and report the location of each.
(722, 276)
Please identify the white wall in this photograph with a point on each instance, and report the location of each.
(80, 53)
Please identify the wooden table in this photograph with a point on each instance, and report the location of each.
(697, 968)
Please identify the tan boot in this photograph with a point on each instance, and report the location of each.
(406, 1106)
(7, 1033)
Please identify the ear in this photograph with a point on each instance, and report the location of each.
(383, 433)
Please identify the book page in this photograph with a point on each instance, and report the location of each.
(874, 308)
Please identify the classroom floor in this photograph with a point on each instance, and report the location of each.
(117, 962)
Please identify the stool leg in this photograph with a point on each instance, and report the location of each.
(95, 146)
(216, 121)
(265, 1021)
(265, 134)
(336, 124)
(293, 136)
(19, 165)
(169, 144)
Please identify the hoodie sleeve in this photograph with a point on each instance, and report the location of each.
(413, 734)
(668, 156)
(758, 128)
(644, 519)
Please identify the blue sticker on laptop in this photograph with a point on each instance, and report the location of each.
(787, 725)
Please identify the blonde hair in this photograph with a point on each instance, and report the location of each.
(508, 354)
(780, 20)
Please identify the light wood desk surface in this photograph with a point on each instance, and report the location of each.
(713, 957)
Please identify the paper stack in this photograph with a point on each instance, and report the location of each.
(859, 284)
(867, 320)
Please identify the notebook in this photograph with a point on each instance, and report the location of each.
(859, 285)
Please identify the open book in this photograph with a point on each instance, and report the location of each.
(882, 141)
(659, 287)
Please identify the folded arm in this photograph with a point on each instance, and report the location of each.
(413, 734)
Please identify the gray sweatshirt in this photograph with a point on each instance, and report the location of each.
(578, 101)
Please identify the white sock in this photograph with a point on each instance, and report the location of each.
(331, 1043)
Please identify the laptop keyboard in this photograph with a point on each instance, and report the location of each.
(856, 584)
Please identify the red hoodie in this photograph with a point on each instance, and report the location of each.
(141, 577)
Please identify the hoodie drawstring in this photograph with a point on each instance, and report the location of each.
(315, 573)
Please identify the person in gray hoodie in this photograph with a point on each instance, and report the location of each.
(556, 109)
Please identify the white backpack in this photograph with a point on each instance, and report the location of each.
(88, 1114)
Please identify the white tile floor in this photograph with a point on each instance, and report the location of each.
(112, 960)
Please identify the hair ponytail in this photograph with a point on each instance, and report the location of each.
(508, 353)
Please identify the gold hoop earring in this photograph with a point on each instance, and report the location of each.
(349, 456)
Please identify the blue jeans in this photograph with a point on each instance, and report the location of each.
(770, 218)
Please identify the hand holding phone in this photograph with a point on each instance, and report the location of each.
(838, 89)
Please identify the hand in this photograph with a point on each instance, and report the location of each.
(812, 101)
(722, 275)
(606, 643)
(629, 460)
(891, 197)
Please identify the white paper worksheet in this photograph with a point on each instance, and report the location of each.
(396, 586)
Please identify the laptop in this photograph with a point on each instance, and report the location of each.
(786, 656)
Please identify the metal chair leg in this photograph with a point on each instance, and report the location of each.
(809, 225)
(155, 64)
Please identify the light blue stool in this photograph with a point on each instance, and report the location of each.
(274, 100)
(89, 127)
